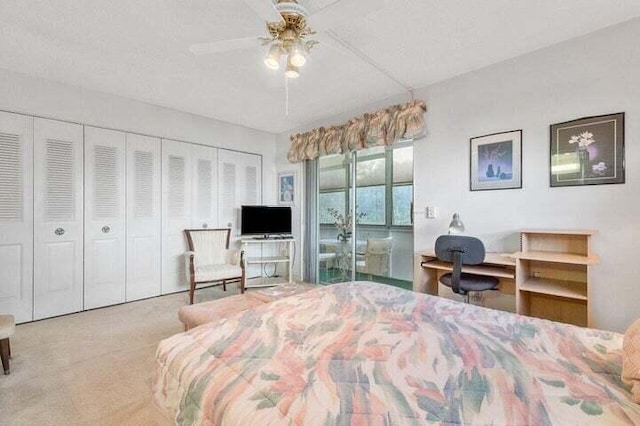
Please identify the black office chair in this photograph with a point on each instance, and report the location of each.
(461, 250)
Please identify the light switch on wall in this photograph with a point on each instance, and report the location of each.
(431, 212)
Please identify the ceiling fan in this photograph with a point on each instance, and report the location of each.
(290, 33)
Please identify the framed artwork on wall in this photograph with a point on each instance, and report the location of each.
(496, 161)
(286, 188)
(588, 151)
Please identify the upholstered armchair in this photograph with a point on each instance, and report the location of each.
(210, 261)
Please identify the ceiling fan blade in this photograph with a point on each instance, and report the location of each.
(224, 45)
(265, 9)
(343, 11)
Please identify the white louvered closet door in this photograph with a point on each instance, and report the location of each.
(104, 213)
(58, 219)
(228, 199)
(144, 264)
(176, 213)
(16, 216)
(239, 183)
(204, 199)
(251, 171)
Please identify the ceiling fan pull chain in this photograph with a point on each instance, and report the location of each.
(286, 96)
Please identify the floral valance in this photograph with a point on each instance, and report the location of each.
(383, 127)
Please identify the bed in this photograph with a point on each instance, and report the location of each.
(367, 353)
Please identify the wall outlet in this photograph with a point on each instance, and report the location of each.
(431, 212)
(535, 274)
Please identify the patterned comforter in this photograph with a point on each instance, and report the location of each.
(365, 353)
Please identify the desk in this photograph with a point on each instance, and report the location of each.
(495, 265)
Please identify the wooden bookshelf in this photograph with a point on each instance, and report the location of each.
(552, 274)
(559, 288)
(544, 256)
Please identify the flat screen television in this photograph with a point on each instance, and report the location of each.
(265, 220)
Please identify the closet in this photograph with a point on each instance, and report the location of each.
(204, 168)
(16, 215)
(91, 217)
(104, 216)
(240, 177)
(58, 218)
(144, 261)
(189, 202)
(176, 213)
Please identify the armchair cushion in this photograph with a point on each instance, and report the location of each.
(207, 273)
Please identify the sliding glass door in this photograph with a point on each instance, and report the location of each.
(334, 213)
(365, 229)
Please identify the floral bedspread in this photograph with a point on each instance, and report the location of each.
(365, 353)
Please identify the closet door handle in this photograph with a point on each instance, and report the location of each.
(106, 229)
(59, 231)
(205, 225)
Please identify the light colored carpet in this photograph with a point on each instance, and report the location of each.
(91, 368)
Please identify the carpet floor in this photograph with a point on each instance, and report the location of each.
(91, 368)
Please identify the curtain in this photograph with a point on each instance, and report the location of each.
(310, 247)
(384, 127)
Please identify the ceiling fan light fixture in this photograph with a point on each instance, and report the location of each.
(298, 55)
(272, 60)
(292, 70)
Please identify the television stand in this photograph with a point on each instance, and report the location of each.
(260, 251)
(273, 237)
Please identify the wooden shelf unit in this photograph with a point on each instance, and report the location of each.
(552, 275)
(543, 256)
(559, 288)
(268, 259)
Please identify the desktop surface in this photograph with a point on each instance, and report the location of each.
(489, 258)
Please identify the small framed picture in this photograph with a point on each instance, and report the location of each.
(496, 161)
(588, 151)
(286, 188)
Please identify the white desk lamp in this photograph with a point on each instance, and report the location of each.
(456, 226)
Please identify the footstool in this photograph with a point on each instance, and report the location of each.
(201, 313)
(7, 327)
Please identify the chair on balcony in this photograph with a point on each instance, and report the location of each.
(376, 259)
(210, 261)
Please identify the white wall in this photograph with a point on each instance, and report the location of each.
(35, 96)
(282, 165)
(592, 75)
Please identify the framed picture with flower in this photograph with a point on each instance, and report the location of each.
(588, 151)
(287, 188)
(496, 161)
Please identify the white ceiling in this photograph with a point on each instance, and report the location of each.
(139, 49)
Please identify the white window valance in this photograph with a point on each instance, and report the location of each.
(384, 127)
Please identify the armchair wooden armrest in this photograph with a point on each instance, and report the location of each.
(233, 257)
(189, 266)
